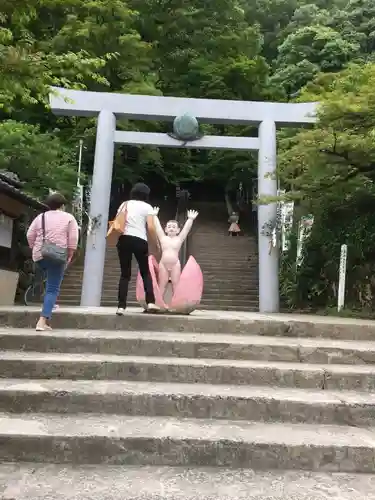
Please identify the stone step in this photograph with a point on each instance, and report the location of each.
(218, 298)
(221, 269)
(107, 482)
(208, 264)
(118, 439)
(67, 301)
(214, 306)
(210, 245)
(218, 279)
(209, 289)
(208, 299)
(260, 404)
(236, 322)
(230, 244)
(214, 299)
(209, 276)
(33, 365)
(231, 294)
(228, 248)
(191, 345)
(217, 282)
(222, 298)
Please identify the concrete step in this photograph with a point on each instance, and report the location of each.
(210, 286)
(112, 439)
(230, 294)
(258, 391)
(251, 304)
(132, 303)
(213, 306)
(228, 249)
(234, 295)
(260, 404)
(236, 259)
(15, 364)
(218, 300)
(220, 266)
(107, 482)
(220, 276)
(252, 307)
(191, 345)
(237, 322)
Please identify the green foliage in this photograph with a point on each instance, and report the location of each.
(336, 158)
(315, 282)
(330, 169)
(29, 66)
(308, 51)
(23, 151)
(267, 49)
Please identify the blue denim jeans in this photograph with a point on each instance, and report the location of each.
(54, 273)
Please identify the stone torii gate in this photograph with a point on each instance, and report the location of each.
(107, 107)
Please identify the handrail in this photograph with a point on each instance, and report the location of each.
(181, 217)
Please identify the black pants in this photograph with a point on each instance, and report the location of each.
(126, 247)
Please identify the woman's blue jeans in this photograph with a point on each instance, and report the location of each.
(54, 273)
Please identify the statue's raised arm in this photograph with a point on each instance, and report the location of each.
(192, 215)
(159, 230)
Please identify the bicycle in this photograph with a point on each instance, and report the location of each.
(34, 293)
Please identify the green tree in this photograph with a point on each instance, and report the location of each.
(209, 51)
(29, 67)
(203, 51)
(330, 171)
(272, 17)
(308, 51)
(336, 156)
(23, 151)
(356, 22)
(76, 44)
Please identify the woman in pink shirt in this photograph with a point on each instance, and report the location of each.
(61, 230)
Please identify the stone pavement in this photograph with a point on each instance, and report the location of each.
(57, 482)
(120, 402)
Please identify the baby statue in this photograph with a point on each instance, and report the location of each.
(171, 241)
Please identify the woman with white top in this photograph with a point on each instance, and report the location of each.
(134, 241)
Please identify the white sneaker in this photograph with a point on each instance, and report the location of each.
(152, 307)
(120, 311)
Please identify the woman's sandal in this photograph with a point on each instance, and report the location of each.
(45, 328)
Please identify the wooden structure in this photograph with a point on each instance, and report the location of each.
(17, 209)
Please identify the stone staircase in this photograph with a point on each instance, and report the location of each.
(134, 407)
(70, 294)
(229, 265)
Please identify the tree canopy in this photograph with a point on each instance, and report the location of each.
(282, 50)
(262, 50)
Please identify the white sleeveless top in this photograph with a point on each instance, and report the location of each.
(136, 220)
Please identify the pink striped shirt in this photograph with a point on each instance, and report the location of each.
(61, 229)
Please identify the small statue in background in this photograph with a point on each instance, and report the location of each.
(171, 241)
(234, 228)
